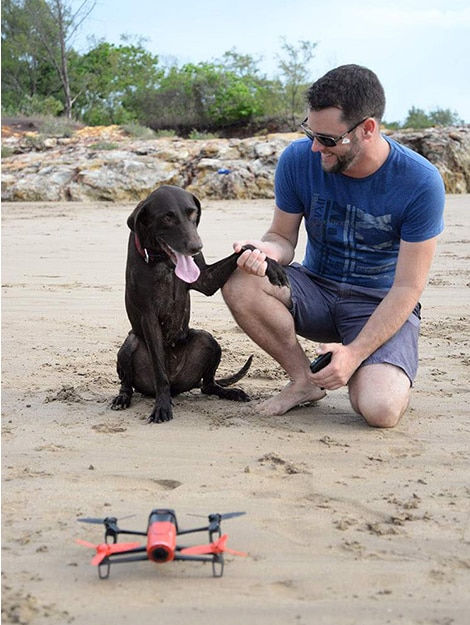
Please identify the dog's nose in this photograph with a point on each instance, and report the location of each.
(195, 247)
(196, 250)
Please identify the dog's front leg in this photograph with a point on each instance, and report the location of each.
(125, 369)
(162, 410)
(213, 277)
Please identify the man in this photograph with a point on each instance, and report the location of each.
(372, 210)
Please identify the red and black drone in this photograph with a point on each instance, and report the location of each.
(161, 547)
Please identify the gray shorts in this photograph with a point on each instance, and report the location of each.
(331, 312)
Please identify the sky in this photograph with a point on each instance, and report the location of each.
(420, 49)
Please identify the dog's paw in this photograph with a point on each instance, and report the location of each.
(274, 270)
(160, 416)
(121, 401)
(233, 394)
(236, 394)
(275, 273)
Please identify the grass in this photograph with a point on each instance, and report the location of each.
(7, 151)
(104, 145)
(139, 132)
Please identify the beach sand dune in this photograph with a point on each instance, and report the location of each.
(345, 524)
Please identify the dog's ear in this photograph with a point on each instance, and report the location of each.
(198, 206)
(137, 223)
(133, 217)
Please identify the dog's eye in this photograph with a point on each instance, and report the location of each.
(192, 214)
(169, 217)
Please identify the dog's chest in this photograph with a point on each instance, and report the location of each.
(173, 310)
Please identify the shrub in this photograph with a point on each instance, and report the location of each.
(139, 132)
(104, 145)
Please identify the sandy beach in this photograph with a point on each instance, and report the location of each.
(344, 524)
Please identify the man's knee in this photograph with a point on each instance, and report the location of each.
(242, 291)
(380, 412)
(233, 288)
(380, 394)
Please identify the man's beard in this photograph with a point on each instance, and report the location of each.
(343, 161)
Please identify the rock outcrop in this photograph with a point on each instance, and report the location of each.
(447, 148)
(102, 163)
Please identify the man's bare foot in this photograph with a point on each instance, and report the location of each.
(293, 394)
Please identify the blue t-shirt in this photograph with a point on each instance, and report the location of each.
(354, 225)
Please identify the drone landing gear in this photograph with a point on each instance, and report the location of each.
(218, 565)
(104, 569)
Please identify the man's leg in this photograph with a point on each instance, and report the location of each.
(380, 393)
(261, 310)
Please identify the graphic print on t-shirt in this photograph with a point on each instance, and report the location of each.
(349, 244)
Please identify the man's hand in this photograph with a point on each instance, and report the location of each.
(344, 363)
(253, 259)
(255, 262)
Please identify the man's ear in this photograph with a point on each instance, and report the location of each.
(369, 127)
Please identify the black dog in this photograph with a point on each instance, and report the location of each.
(161, 355)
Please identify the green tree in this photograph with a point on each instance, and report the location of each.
(243, 65)
(203, 96)
(113, 80)
(268, 93)
(417, 118)
(445, 117)
(20, 69)
(295, 75)
(54, 24)
(37, 37)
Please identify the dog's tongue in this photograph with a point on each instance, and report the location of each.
(186, 269)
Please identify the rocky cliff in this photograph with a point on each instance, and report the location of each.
(102, 163)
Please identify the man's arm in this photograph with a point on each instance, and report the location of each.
(278, 243)
(414, 262)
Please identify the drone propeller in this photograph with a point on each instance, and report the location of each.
(110, 522)
(104, 550)
(215, 519)
(216, 547)
(106, 520)
(231, 515)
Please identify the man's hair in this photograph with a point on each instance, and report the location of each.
(354, 89)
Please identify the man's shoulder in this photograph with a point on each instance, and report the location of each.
(298, 148)
(403, 154)
(299, 157)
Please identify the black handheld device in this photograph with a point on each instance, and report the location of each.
(319, 363)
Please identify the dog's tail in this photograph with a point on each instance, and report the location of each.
(236, 376)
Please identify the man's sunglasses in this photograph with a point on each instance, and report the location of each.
(326, 140)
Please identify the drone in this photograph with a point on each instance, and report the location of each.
(161, 547)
